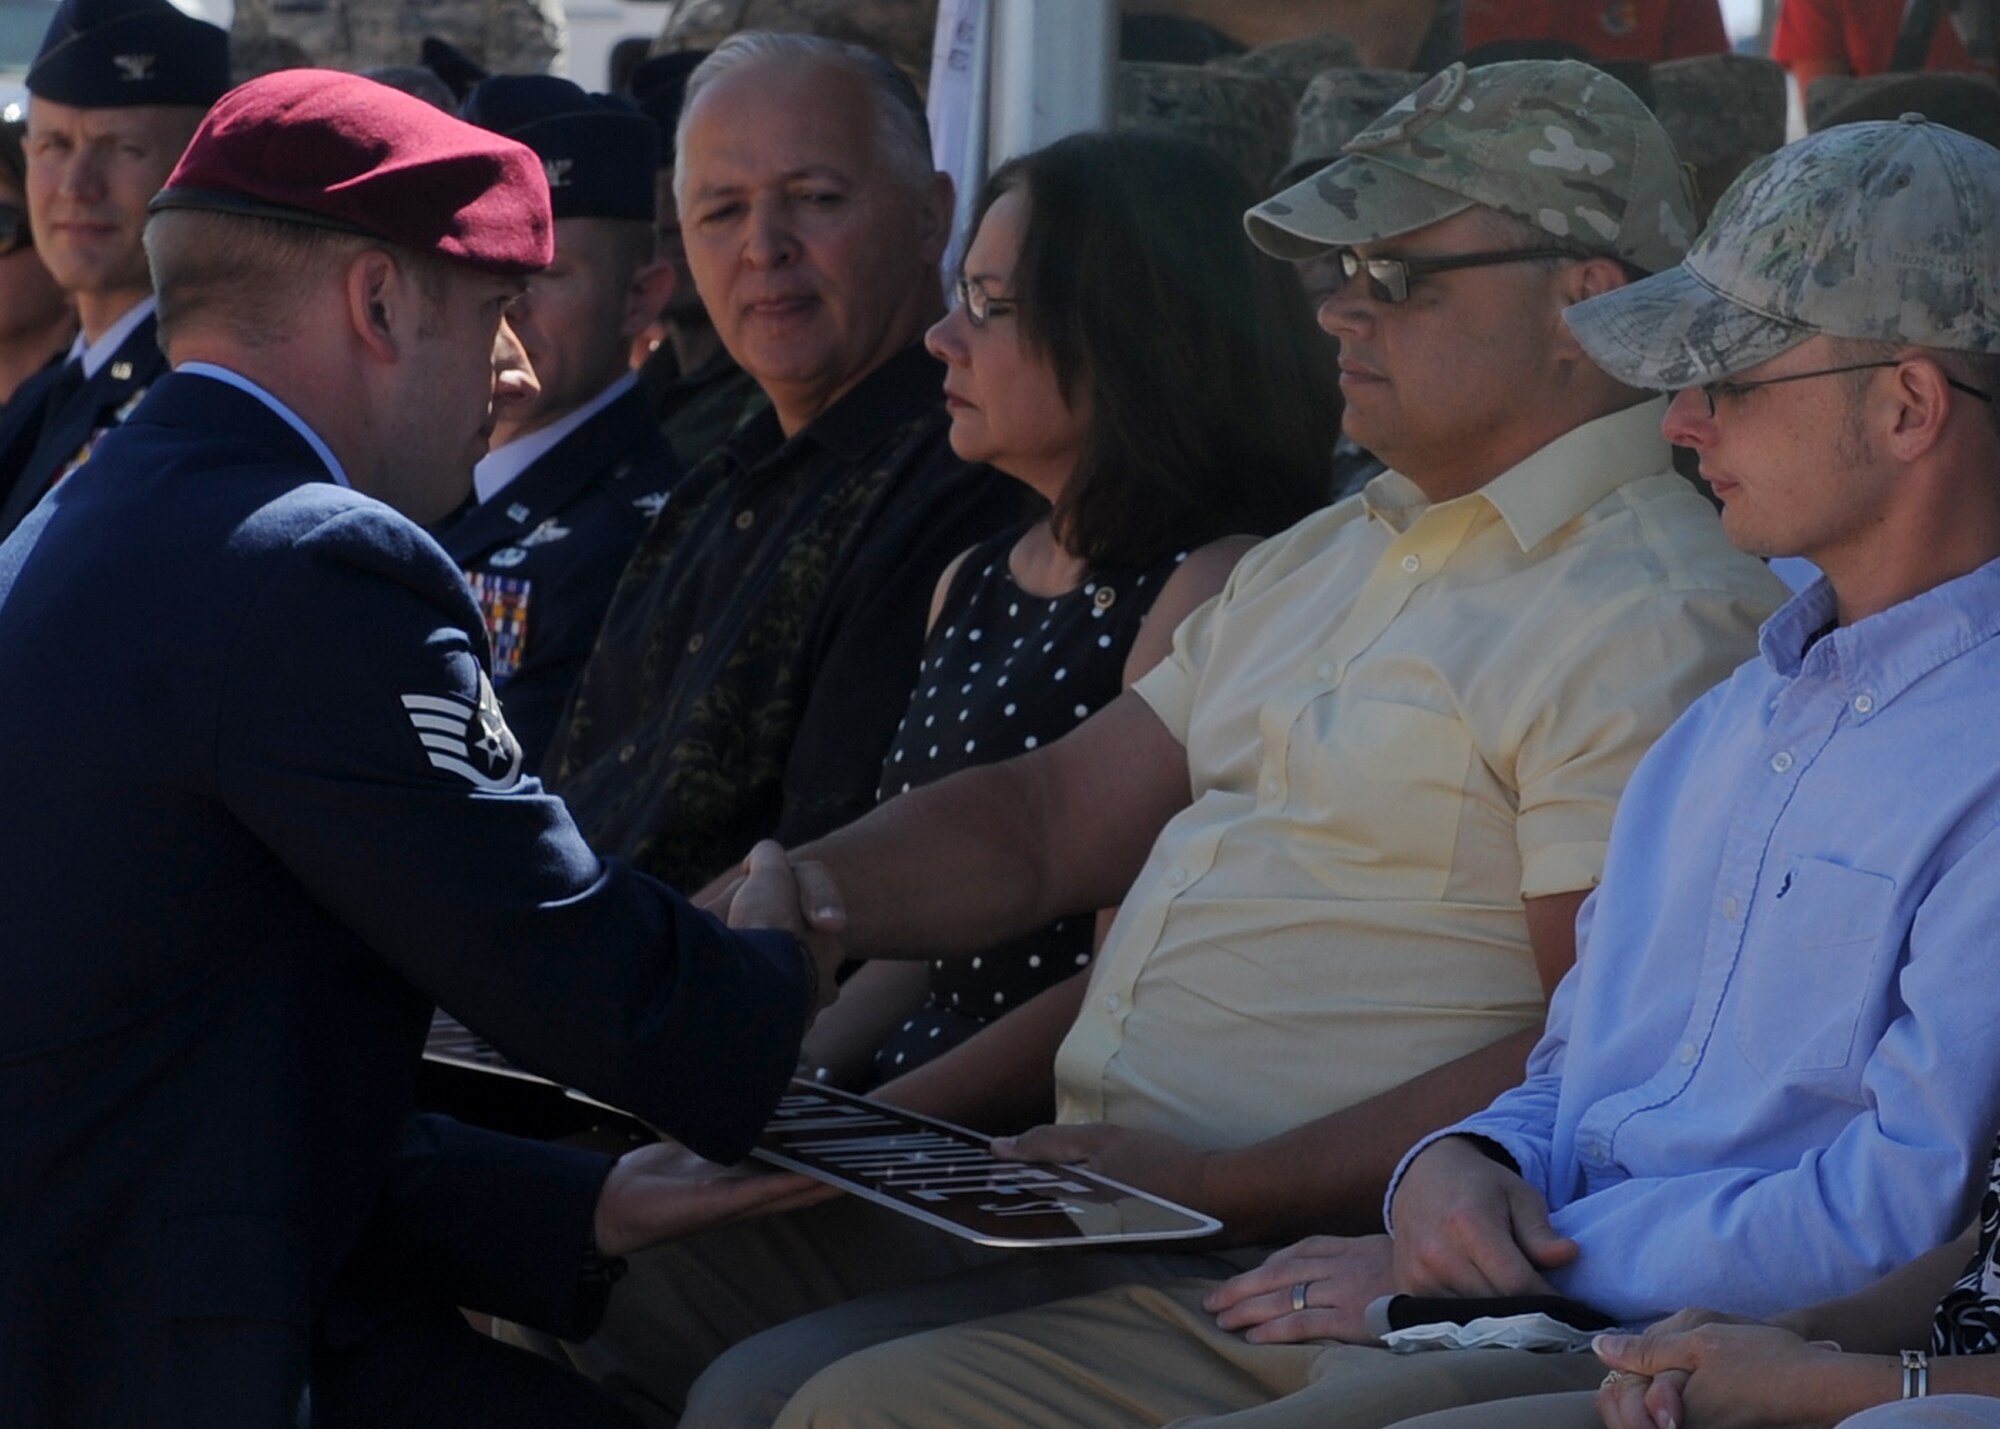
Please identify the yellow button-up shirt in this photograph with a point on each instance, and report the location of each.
(1401, 719)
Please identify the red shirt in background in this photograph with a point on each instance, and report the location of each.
(1609, 29)
(1855, 37)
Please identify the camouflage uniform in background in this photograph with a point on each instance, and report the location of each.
(1246, 117)
(899, 29)
(1293, 63)
(903, 30)
(697, 410)
(1723, 112)
(504, 36)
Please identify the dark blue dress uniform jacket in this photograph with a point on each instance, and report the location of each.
(40, 439)
(241, 869)
(546, 552)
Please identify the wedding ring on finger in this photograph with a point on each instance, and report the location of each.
(1299, 1295)
(1617, 1376)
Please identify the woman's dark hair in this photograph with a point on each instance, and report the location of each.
(12, 162)
(1214, 397)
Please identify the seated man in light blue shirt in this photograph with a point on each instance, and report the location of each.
(1774, 1073)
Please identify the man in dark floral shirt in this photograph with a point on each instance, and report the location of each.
(764, 638)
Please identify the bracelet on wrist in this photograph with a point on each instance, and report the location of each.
(1916, 1374)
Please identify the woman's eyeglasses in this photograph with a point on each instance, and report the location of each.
(979, 304)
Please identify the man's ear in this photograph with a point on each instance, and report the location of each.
(1576, 282)
(652, 288)
(377, 292)
(1924, 400)
(1592, 278)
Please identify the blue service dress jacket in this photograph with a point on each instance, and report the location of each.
(268, 814)
(45, 433)
(544, 555)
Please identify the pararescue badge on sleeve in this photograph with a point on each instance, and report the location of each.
(472, 742)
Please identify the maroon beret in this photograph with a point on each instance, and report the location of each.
(338, 151)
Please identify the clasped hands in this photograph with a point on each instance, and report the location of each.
(1467, 1227)
(664, 1191)
(798, 896)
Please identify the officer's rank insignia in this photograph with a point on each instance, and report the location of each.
(133, 68)
(470, 741)
(546, 534)
(558, 171)
(503, 601)
(121, 371)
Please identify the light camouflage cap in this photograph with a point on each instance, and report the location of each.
(1337, 105)
(1879, 232)
(1555, 143)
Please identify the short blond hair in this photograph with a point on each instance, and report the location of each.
(249, 275)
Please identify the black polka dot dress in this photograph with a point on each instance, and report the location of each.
(1005, 672)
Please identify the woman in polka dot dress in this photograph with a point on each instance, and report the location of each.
(1119, 349)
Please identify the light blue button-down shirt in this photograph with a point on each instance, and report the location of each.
(1774, 1073)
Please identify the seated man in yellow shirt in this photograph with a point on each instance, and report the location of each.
(1361, 800)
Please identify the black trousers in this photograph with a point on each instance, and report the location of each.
(426, 1368)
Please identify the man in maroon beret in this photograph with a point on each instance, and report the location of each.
(278, 815)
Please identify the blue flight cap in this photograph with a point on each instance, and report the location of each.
(114, 54)
(599, 152)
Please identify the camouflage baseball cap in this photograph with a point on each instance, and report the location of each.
(1879, 232)
(1555, 143)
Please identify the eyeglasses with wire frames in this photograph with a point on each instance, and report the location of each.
(1711, 390)
(981, 305)
(1389, 278)
(14, 232)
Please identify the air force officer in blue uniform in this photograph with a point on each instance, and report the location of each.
(578, 469)
(277, 814)
(114, 92)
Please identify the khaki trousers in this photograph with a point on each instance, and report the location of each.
(1147, 1355)
(718, 1330)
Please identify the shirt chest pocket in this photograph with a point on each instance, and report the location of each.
(1383, 783)
(1811, 965)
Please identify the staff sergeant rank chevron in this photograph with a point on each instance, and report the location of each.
(474, 744)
